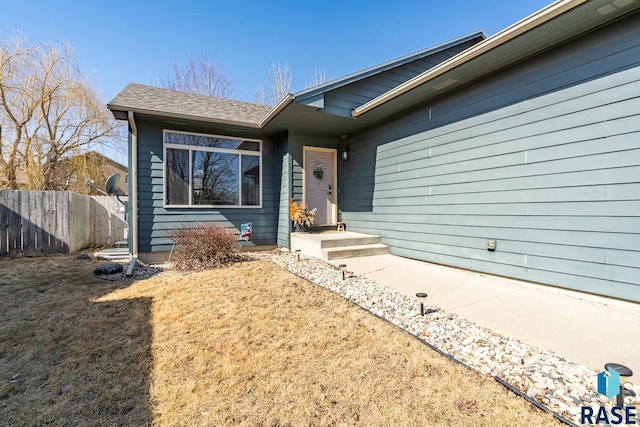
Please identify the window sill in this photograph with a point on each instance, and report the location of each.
(211, 207)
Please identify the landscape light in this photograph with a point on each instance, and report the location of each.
(342, 267)
(421, 297)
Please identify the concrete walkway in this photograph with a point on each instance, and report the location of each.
(585, 329)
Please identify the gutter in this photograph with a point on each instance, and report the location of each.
(284, 102)
(133, 194)
(542, 16)
(164, 114)
(281, 105)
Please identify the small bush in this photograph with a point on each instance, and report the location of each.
(205, 246)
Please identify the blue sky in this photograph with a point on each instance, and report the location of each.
(118, 42)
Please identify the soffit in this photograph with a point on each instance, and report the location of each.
(565, 27)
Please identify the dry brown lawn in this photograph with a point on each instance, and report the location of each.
(246, 345)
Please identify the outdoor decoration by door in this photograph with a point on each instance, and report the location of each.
(319, 167)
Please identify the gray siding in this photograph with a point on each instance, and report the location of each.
(343, 100)
(156, 222)
(284, 172)
(543, 157)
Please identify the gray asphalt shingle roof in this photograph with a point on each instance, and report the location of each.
(159, 101)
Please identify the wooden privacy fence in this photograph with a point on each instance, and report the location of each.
(107, 221)
(57, 221)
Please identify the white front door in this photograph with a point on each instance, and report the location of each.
(320, 186)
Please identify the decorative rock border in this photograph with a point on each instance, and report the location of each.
(558, 384)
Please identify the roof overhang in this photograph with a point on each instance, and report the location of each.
(319, 90)
(549, 27)
(120, 112)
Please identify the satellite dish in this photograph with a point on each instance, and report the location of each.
(111, 186)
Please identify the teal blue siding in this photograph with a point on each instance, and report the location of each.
(284, 172)
(155, 222)
(543, 157)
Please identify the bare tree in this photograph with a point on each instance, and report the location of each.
(277, 85)
(48, 110)
(318, 77)
(199, 74)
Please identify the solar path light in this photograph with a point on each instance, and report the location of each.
(623, 371)
(342, 267)
(421, 297)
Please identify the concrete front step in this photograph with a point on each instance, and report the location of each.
(355, 251)
(349, 241)
(114, 254)
(334, 245)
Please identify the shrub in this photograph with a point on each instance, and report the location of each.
(205, 246)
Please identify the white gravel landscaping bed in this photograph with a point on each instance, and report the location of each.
(559, 384)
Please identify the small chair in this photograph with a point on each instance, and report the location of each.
(341, 226)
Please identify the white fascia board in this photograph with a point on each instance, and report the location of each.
(532, 21)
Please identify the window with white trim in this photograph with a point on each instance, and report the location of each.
(211, 170)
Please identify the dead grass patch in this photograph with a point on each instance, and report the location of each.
(249, 344)
(65, 359)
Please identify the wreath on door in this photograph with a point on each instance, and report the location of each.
(318, 172)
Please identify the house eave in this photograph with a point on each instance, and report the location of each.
(343, 81)
(284, 102)
(120, 113)
(535, 20)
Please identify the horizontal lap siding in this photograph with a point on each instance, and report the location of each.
(155, 222)
(284, 173)
(548, 169)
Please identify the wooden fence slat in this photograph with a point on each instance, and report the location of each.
(79, 221)
(28, 217)
(49, 224)
(57, 223)
(107, 221)
(11, 226)
(45, 225)
(37, 221)
(15, 229)
(94, 230)
(64, 221)
(4, 224)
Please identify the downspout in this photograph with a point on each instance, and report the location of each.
(133, 195)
